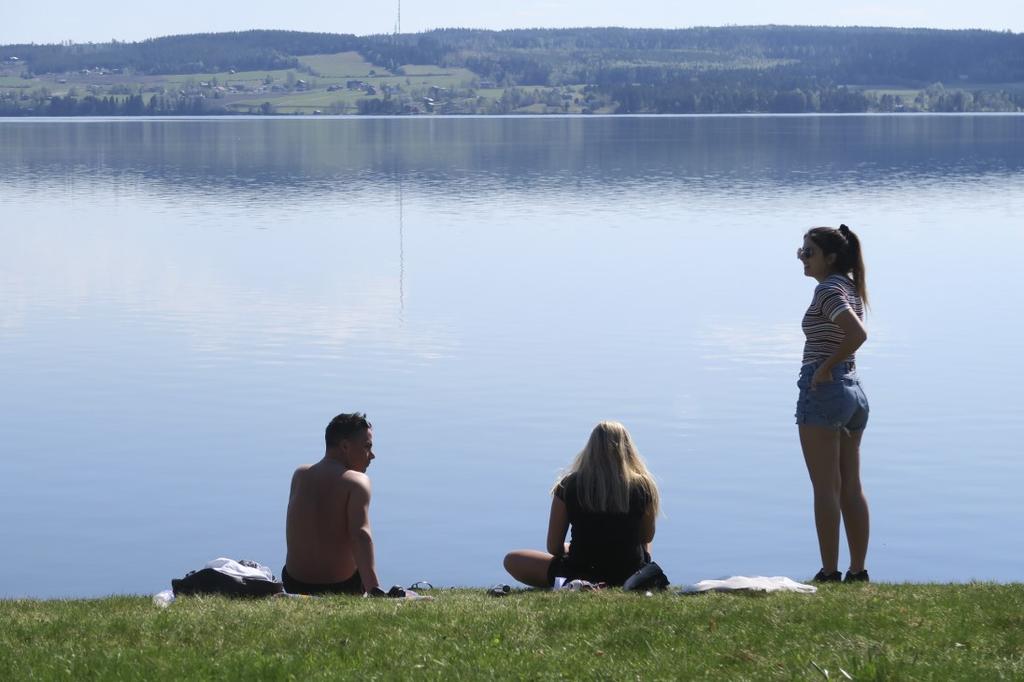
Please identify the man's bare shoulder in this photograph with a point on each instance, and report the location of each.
(299, 475)
(355, 480)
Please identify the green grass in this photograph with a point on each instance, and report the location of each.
(873, 632)
(424, 76)
(225, 77)
(438, 75)
(342, 65)
(1017, 86)
(427, 70)
(17, 82)
(301, 102)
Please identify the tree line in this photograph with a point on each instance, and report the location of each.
(133, 105)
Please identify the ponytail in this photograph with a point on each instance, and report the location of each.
(849, 260)
(856, 262)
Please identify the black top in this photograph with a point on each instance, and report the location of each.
(603, 546)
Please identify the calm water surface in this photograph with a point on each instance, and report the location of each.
(184, 304)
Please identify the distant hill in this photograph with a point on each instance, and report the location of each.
(611, 70)
(196, 53)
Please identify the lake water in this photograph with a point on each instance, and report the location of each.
(184, 304)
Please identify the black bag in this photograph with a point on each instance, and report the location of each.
(649, 577)
(212, 581)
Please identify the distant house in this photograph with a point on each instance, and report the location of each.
(355, 85)
(13, 59)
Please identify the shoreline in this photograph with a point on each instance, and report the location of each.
(431, 117)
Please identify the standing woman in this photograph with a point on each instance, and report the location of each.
(832, 410)
(610, 501)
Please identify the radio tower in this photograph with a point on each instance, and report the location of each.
(398, 21)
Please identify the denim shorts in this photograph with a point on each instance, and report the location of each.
(838, 404)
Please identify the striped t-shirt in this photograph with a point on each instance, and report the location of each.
(834, 295)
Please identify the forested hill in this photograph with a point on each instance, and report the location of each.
(578, 55)
(195, 53)
(843, 55)
(613, 70)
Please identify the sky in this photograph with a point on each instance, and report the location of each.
(103, 20)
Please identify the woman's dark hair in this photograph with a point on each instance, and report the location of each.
(846, 246)
(344, 426)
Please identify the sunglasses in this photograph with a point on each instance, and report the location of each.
(805, 252)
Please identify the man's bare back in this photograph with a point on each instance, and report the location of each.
(328, 523)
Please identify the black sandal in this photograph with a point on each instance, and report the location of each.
(858, 577)
(823, 577)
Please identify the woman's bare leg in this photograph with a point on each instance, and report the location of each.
(854, 505)
(821, 454)
(529, 566)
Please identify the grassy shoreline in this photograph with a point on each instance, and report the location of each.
(873, 632)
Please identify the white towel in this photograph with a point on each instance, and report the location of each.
(758, 583)
(237, 570)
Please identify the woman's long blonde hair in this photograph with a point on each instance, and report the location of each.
(608, 468)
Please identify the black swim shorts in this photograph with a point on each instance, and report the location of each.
(353, 585)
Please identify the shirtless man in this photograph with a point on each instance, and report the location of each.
(330, 548)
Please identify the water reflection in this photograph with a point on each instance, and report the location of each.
(450, 157)
(184, 304)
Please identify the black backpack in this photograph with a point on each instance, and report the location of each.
(650, 577)
(212, 581)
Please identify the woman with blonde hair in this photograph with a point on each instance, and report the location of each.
(610, 500)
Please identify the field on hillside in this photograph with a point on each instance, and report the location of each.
(321, 84)
(342, 65)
